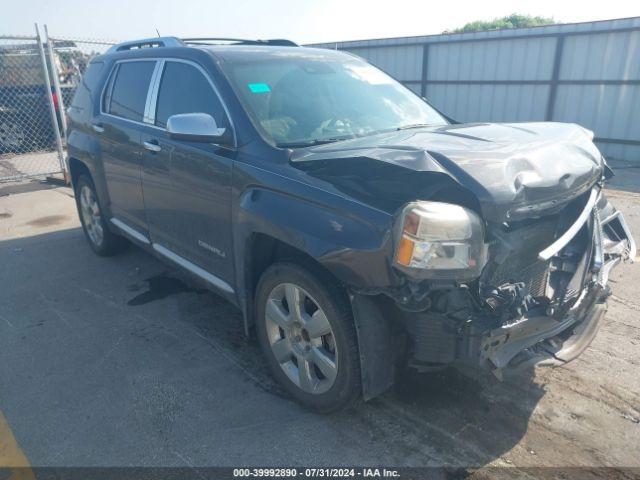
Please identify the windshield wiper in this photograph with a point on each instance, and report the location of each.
(311, 143)
(415, 125)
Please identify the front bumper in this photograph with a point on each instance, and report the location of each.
(548, 339)
(543, 339)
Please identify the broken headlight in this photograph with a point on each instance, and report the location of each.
(440, 241)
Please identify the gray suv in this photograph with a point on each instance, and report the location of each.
(359, 230)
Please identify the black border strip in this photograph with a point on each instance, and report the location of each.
(620, 141)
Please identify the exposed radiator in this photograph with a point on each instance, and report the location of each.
(521, 264)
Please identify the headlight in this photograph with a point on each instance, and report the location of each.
(440, 241)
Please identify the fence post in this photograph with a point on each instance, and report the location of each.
(555, 75)
(425, 70)
(56, 84)
(52, 108)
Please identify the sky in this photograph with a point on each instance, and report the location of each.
(303, 21)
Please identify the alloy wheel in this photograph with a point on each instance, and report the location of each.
(91, 215)
(301, 338)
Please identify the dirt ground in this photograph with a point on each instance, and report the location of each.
(118, 362)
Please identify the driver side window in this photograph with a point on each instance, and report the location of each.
(184, 89)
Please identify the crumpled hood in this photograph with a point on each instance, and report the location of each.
(515, 170)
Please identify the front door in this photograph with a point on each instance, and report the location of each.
(187, 185)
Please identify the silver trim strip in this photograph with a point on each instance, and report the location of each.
(196, 270)
(572, 231)
(152, 92)
(132, 121)
(598, 248)
(130, 231)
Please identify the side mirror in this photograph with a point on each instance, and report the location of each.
(197, 127)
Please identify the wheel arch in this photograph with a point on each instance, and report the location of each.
(262, 250)
(77, 168)
(374, 331)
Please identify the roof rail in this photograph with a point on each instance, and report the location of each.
(277, 42)
(147, 43)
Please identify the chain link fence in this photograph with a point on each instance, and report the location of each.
(38, 78)
(27, 135)
(74, 54)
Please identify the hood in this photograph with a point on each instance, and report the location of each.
(515, 170)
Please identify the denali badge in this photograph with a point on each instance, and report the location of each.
(213, 249)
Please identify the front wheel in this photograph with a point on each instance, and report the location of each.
(305, 329)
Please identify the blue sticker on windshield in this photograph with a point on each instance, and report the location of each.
(259, 88)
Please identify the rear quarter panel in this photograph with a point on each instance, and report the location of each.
(83, 143)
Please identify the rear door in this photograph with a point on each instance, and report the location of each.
(119, 127)
(187, 185)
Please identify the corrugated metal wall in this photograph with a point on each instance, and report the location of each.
(587, 73)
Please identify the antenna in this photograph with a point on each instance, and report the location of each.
(158, 33)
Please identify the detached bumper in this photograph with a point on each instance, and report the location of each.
(542, 339)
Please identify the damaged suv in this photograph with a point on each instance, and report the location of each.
(358, 229)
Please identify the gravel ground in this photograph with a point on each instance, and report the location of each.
(116, 362)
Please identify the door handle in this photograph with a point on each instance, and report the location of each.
(97, 127)
(152, 146)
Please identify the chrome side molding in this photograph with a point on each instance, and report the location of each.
(174, 257)
(130, 231)
(196, 270)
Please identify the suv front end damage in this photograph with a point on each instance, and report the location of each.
(538, 300)
(565, 292)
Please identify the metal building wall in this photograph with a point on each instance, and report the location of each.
(586, 73)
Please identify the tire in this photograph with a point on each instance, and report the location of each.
(101, 240)
(312, 351)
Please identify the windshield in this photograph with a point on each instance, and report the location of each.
(307, 101)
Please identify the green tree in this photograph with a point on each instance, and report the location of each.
(511, 21)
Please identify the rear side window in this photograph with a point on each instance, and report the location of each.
(184, 89)
(128, 94)
(82, 97)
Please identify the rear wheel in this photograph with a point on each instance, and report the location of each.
(306, 331)
(100, 238)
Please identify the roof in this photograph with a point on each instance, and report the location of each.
(229, 49)
(256, 52)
